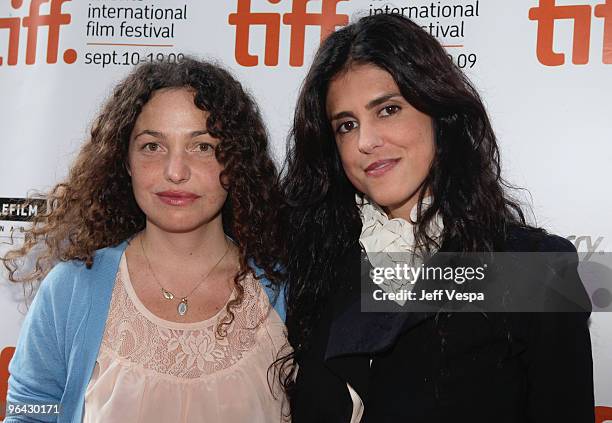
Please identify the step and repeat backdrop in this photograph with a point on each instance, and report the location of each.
(543, 67)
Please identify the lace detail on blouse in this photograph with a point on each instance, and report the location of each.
(185, 353)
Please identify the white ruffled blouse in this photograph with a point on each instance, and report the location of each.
(388, 242)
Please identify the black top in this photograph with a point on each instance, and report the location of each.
(443, 367)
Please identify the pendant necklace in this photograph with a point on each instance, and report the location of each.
(182, 307)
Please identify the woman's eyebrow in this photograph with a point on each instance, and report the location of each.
(155, 134)
(198, 133)
(340, 115)
(379, 100)
(371, 104)
(158, 134)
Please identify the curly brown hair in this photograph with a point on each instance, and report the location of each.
(95, 206)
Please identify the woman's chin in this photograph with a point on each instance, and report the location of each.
(176, 226)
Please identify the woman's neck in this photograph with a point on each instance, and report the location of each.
(201, 246)
(406, 210)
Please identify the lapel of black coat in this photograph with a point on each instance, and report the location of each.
(355, 336)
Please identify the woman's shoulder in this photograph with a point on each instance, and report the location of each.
(274, 291)
(552, 261)
(62, 278)
(530, 239)
(67, 276)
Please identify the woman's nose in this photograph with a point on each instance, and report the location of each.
(369, 138)
(177, 168)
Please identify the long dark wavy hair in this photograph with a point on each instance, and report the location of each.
(320, 216)
(95, 206)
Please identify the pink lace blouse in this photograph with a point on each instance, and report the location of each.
(153, 370)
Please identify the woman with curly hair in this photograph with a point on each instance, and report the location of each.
(154, 305)
(392, 152)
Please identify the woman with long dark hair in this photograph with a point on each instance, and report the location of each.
(154, 306)
(392, 151)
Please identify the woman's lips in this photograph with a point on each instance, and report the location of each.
(177, 198)
(381, 167)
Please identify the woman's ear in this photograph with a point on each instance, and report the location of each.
(127, 168)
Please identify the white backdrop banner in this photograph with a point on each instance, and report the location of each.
(543, 68)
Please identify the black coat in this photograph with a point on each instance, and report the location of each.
(447, 367)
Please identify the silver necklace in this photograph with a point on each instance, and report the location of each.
(183, 306)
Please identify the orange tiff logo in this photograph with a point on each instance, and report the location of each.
(53, 21)
(548, 12)
(5, 359)
(328, 19)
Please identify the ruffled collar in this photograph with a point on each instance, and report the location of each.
(388, 242)
(381, 234)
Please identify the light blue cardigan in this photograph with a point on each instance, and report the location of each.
(62, 332)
